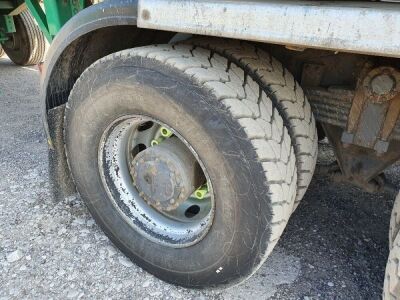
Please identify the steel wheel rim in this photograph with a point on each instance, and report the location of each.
(177, 228)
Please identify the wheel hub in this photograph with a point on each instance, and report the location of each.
(165, 175)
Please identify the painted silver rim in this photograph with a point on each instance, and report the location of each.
(181, 227)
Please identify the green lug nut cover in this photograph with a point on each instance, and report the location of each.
(165, 132)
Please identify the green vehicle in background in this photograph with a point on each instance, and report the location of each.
(20, 37)
(25, 26)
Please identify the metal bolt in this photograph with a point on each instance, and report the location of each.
(382, 84)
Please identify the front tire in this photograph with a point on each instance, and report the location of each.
(242, 142)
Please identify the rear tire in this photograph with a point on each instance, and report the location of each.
(259, 68)
(27, 45)
(242, 142)
(394, 221)
(1, 51)
(391, 289)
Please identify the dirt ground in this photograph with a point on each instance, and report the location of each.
(335, 245)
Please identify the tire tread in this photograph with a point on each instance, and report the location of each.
(37, 42)
(248, 104)
(261, 70)
(391, 289)
(394, 221)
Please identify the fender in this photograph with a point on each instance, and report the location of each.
(93, 33)
(59, 71)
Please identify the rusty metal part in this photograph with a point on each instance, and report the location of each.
(381, 84)
(332, 106)
(361, 166)
(295, 48)
(311, 74)
(370, 114)
(167, 174)
(375, 109)
(374, 141)
(375, 185)
(391, 118)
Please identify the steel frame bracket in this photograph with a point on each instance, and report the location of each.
(362, 125)
(7, 24)
(361, 166)
(375, 109)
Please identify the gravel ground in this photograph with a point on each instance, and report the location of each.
(335, 245)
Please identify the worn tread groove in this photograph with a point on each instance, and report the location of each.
(394, 221)
(391, 288)
(37, 42)
(288, 99)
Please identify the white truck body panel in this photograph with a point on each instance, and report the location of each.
(360, 27)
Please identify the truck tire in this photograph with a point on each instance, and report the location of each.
(1, 51)
(241, 143)
(394, 221)
(391, 289)
(261, 69)
(27, 45)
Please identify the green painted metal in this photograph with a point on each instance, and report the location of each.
(7, 24)
(59, 12)
(40, 17)
(50, 19)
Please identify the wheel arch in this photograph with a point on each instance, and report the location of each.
(90, 35)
